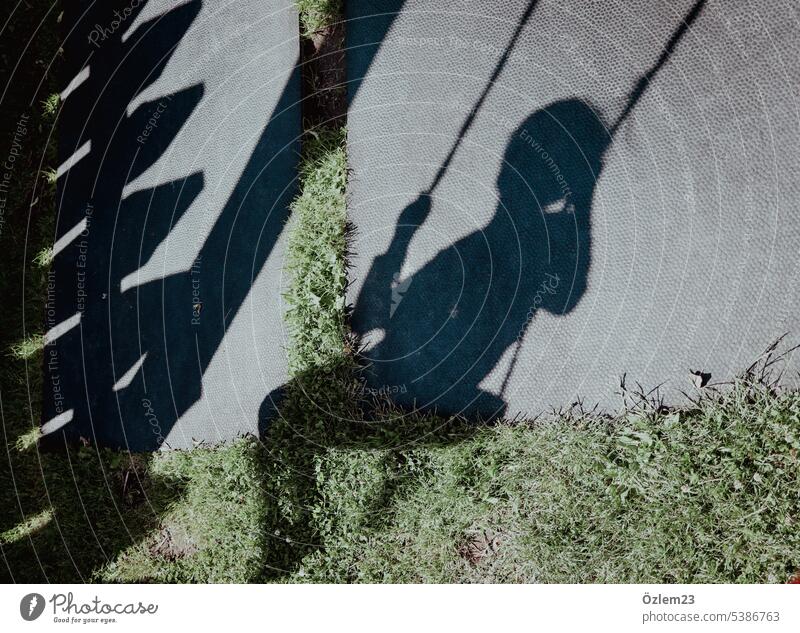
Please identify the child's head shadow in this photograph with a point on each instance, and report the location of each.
(546, 185)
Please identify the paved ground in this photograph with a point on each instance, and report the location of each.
(623, 201)
(179, 141)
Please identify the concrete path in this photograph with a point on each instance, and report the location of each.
(549, 195)
(179, 142)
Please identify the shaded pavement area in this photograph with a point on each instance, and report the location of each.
(179, 138)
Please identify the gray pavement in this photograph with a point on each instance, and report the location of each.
(179, 140)
(623, 198)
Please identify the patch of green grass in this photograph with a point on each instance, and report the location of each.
(320, 400)
(316, 255)
(708, 495)
(315, 15)
(28, 527)
(28, 347)
(27, 441)
(44, 257)
(213, 532)
(50, 176)
(50, 105)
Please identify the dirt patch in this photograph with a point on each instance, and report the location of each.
(323, 78)
(133, 479)
(478, 547)
(172, 544)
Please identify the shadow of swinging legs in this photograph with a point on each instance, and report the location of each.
(443, 335)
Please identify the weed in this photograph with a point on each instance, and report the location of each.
(28, 347)
(50, 105)
(316, 15)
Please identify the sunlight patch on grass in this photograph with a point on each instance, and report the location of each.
(50, 176)
(29, 347)
(27, 441)
(44, 257)
(26, 528)
(50, 105)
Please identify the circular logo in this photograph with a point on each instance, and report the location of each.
(31, 606)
